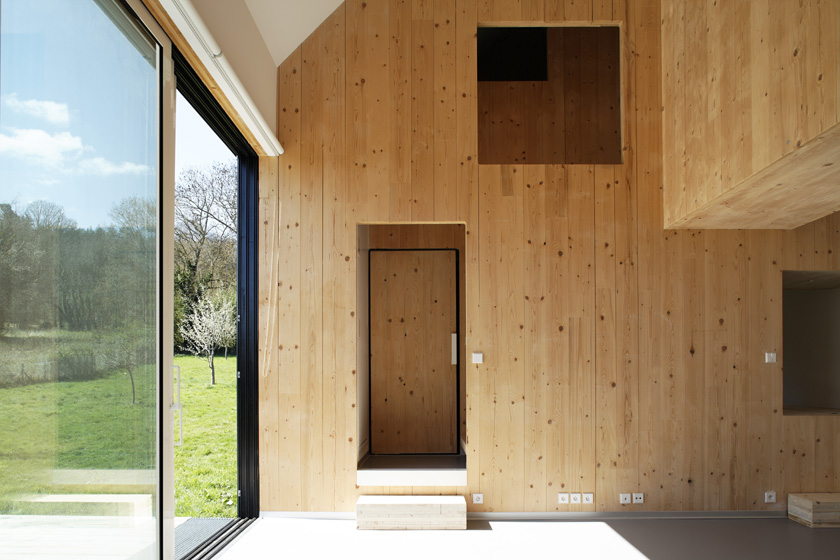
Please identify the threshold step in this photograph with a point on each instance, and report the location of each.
(400, 513)
(412, 470)
(815, 510)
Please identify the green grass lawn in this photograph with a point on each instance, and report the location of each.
(73, 425)
(93, 425)
(205, 465)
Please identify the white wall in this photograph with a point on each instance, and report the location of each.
(232, 26)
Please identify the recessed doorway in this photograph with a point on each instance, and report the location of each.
(411, 325)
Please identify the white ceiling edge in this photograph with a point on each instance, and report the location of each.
(188, 21)
(285, 24)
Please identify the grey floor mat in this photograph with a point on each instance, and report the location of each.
(195, 531)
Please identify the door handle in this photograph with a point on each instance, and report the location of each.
(177, 406)
(454, 349)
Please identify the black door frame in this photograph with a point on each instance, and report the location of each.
(247, 394)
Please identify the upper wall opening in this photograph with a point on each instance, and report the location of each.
(549, 95)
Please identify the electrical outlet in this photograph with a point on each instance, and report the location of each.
(769, 357)
(478, 498)
(563, 498)
(575, 498)
(769, 497)
(625, 498)
(638, 498)
(588, 498)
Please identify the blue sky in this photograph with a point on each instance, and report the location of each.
(77, 107)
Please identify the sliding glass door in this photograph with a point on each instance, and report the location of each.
(86, 98)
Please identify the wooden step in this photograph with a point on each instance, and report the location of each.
(815, 510)
(411, 512)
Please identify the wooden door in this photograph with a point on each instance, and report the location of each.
(413, 382)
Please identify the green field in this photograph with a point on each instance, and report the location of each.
(93, 425)
(205, 465)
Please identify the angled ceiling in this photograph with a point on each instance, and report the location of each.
(284, 24)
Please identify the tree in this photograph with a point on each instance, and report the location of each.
(205, 223)
(209, 325)
(48, 215)
(205, 235)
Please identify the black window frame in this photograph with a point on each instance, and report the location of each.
(196, 93)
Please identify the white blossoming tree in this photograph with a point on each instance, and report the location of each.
(209, 325)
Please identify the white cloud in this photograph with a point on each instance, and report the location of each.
(101, 166)
(52, 112)
(61, 152)
(41, 147)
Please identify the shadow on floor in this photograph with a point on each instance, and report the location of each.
(727, 539)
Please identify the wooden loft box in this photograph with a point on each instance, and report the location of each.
(750, 113)
(798, 189)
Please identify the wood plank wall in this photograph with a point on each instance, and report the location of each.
(619, 356)
(744, 84)
(573, 117)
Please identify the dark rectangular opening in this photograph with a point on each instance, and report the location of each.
(512, 54)
(549, 95)
(811, 328)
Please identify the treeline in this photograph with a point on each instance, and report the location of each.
(56, 275)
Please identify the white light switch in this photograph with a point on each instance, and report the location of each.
(478, 358)
(769, 357)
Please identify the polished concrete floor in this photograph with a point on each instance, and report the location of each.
(639, 539)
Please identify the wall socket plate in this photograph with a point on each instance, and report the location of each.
(576, 498)
(588, 498)
(478, 498)
(770, 497)
(563, 498)
(638, 498)
(625, 499)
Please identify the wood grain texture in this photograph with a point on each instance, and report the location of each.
(750, 103)
(573, 117)
(413, 312)
(618, 356)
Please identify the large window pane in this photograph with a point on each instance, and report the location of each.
(78, 270)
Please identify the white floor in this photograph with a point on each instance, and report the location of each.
(617, 539)
(330, 539)
(57, 537)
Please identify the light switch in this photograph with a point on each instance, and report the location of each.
(477, 358)
(769, 357)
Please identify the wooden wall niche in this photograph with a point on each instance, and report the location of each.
(572, 117)
(403, 236)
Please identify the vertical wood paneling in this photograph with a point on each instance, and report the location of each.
(618, 357)
(745, 84)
